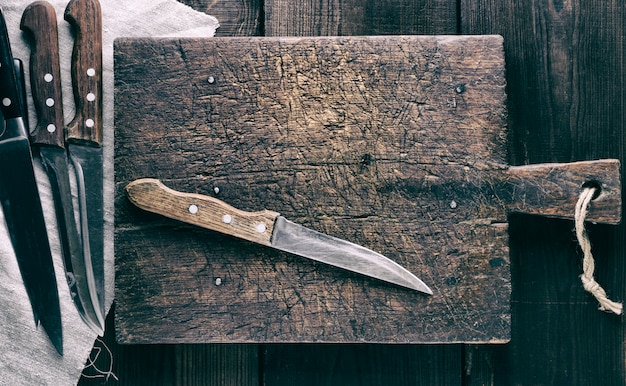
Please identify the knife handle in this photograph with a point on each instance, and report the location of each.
(40, 20)
(86, 18)
(207, 212)
(9, 92)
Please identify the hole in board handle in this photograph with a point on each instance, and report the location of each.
(595, 185)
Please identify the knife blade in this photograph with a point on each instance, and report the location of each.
(84, 132)
(39, 19)
(20, 200)
(270, 229)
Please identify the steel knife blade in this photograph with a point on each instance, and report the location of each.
(20, 199)
(268, 228)
(84, 132)
(39, 19)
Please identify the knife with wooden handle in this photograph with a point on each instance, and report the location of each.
(39, 19)
(270, 229)
(84, 132)
(20, 199)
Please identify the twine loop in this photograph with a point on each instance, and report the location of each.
(589, 282)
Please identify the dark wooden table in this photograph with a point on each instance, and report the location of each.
(565, 74)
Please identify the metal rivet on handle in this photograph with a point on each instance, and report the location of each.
(51, 128)
(49, 102)
(261, 228)
(91, 97)
(48, 78)
(193, 209)
(6, 102)
(90, 123)
(227, 219)
(91, 72)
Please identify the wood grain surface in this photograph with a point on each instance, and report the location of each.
(356, 17)
(85, 16)
(204, 211)
(386, 142)
(236, 17)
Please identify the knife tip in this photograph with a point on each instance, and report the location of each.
(54, 331)
(59, 346)
(425, 289)
(418, 285)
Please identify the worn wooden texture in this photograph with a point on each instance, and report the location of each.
(86, 19)
(357, 17)
(367, 139)
(40, 22)
(565, 74)
(236, 17)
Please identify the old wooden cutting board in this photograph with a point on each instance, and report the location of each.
(396, 143)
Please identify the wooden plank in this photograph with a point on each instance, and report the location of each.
(236, 18)
(565, 74)
(356, 17)
(217, 365)
(480, 365)
(361, 365)
(293, 126)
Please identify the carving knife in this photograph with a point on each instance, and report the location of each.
(270, 229)
(48, 137)
(84, 132)
(20, 200)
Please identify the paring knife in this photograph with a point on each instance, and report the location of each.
(48, 137)
(84, 132)
(270, 229)
(20, 200)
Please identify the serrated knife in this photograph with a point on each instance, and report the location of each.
(39, 19)
(20, 200)
(270, 229)
(84, 132)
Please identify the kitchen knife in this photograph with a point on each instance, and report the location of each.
(39, 19)
(21, 203)
(270, 229)
(84, 132)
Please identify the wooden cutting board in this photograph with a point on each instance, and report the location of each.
(397, 143)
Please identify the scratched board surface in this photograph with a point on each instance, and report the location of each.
(388, 142)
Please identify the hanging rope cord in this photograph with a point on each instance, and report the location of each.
(589, 283)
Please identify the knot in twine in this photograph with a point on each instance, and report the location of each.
(589, 283)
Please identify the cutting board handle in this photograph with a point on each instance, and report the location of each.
(553, 189)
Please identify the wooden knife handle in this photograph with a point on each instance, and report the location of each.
(40, 20)
(553, 189)
(204, 211)
(86, 18)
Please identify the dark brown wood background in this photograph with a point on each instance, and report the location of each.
(566, 101)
